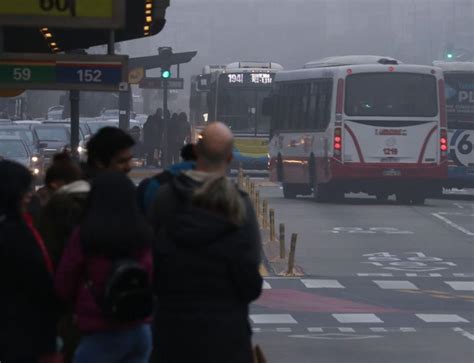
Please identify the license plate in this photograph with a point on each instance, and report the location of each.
(392, 172)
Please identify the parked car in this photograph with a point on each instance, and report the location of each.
(54, 137)
(14, 148)
(25, 132)
(55, 113)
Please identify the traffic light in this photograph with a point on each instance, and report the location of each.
(165, 73)
(450, 53)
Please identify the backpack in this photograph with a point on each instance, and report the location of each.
(127, 295)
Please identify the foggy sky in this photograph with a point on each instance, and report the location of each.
(293, 32)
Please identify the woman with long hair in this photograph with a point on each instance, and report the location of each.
(113, 230)
(28, 308)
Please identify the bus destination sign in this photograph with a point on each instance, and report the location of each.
(248, 79)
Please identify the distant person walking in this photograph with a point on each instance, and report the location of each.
(28, 307)
(208, 236)
(152, 135)
(113, 239)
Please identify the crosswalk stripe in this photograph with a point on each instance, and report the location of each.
(346, 330)
(272, 319)
(441, 318)
(357, 318)
(321, 284)
(396, 285)
(315, 330)
(266, 285)
(461, 285)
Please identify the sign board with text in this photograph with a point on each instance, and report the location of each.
(157, 83)
(63, 72)
(101, 14)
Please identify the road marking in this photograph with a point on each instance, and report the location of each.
(468, 275)
(464, 333)
(396, 285)
(315, 330)
(452, 224)
(346, 330)
(461, 285)
(434, 275)
(322, 284)
(266, 285)
(284, 330)
(357, 318)
(379, 330)
(408, 330)
(441, 318)
(257, 330)
(272, 319)
(459, 205)
(374, 275)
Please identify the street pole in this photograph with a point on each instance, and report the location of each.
(165, 152)
(74, 99)
(124, 109)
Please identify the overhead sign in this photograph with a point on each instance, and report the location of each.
(103, 14)
(136, 75)
(157, 83)
(63, 72)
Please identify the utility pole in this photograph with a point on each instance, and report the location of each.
(166, 121)
(74, 97)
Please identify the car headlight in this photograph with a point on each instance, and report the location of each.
(80, 149)
(36, 171)
(35, 159)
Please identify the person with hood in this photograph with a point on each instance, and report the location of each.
(208, 236)
(112, 236)
(148, 187)
(152, 135)
(28, 307)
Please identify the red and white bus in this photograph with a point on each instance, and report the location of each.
(359, 124)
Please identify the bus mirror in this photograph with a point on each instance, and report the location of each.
(267, 106)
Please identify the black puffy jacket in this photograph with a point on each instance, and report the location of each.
(206, 275)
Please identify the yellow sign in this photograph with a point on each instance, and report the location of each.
(63, 13)
(251, 147)
(136, 75)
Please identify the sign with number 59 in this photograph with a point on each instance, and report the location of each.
(103, 14)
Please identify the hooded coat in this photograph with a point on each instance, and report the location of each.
(206, 275)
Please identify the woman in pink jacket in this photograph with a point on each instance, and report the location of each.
(113, 230)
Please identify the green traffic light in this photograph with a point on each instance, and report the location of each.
(450, 55)
(165, 74)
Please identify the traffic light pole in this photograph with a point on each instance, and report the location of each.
(165, 151)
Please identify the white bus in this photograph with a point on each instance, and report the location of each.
(359, 124)
(234, 94)
(459, 78)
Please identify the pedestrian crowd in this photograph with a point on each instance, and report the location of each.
(95, 269)
(163, 137)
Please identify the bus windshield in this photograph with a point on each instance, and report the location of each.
(239, 105)
(460, 100)
(391, 94)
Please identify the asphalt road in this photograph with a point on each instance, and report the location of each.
(382, 282)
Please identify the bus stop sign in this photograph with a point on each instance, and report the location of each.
(63, 72)
(103, 14)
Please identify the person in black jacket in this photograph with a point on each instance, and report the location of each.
(206, 260)
(28, 307)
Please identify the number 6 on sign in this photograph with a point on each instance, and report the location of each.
(21, 74)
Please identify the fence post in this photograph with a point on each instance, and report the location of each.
(265, 214)
(272, 225)
(291, 258)
(282, 241)
(258, 209)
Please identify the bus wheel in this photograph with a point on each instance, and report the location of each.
(289, 191)
(382, 197)
(403, 198)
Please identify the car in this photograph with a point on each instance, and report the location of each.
(25, 132)
(15, 149)
(54, 137)
(110, 114)
(84, 135)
